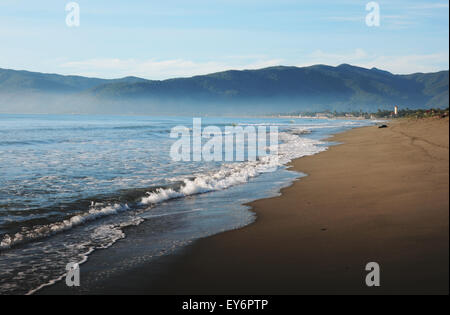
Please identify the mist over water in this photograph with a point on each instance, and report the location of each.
(72, 184)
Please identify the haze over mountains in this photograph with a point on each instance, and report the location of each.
(264, 91)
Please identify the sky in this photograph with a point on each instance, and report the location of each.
(180, 38)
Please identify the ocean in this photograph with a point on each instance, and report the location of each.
(72, 185)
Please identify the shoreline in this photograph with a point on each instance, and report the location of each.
(318, 235)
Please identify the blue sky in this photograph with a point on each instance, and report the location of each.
(172, 38)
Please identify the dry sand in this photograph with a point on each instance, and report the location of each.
(381, 196)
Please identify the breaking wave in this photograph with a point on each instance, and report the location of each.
(42, 231)
(229, 175)
(291, 146)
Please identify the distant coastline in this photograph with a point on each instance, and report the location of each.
(267, 91)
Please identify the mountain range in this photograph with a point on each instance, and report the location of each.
(271, 90)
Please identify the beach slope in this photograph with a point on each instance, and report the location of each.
(381, 196)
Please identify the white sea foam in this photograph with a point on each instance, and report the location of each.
(229, 175)
(106, 235)
(54, 228)
(292, 146)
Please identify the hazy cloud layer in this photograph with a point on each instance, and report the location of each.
(164, 69)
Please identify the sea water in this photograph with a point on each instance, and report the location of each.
(71, 185)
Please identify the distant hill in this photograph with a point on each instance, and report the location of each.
(13, 80)
(269, 90)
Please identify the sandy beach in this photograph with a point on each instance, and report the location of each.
(380, 196)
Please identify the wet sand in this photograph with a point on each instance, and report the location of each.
(381, 196)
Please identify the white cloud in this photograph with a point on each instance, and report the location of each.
(400, 64)
(163, 69)
(410, 63)
(438, 5)
(158, 69)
